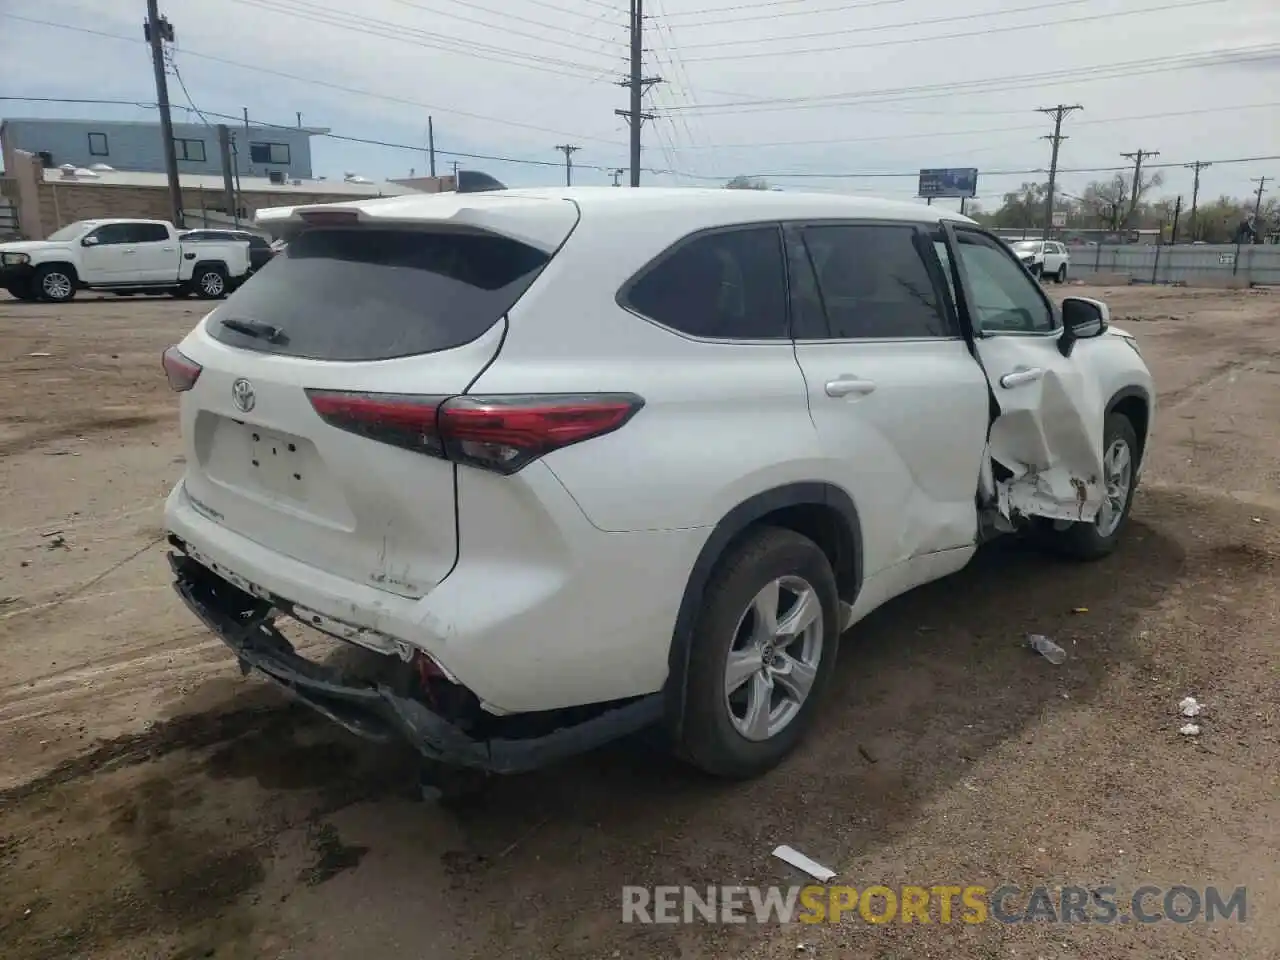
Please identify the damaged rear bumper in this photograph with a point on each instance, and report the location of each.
(372, 710)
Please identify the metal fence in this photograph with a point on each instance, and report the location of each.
(1184, 263)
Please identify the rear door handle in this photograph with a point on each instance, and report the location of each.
(849, 385)
(1019, 378)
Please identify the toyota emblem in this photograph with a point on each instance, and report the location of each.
(242, 395)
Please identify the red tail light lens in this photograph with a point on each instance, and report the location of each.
(501, 433)
(181, 370)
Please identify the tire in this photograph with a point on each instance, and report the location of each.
(719, 737)
(1061, 276)
(55, 284)
(210, 283)
(1094, 540)
(22, 291)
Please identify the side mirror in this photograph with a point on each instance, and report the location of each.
(1082, 319)
(89, 242)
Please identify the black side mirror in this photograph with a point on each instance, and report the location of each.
(1082, 319)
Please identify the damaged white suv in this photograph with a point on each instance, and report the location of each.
(556, 465)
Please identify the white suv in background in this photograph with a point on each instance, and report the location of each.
(562, 464)
(1047, 259)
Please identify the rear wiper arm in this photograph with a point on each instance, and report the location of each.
(251, 328)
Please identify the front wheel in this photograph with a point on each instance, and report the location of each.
(55, 284)
(763, 651)
(1097, 539)
(22, 290)
(210, 283)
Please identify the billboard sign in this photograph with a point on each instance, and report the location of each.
(1059, 218)
(951, 182)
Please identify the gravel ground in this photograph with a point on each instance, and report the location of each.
(154, 804)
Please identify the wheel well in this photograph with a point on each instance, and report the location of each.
(825, 526)
(68, 268)
(216, 264)
(1134, 407)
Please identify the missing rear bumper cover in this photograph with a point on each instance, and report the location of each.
(372, 709)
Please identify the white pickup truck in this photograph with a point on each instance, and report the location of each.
(123, 257)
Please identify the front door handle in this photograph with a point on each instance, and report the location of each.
(848, 385)
(1019, 378)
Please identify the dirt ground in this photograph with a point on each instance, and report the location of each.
(155, 804)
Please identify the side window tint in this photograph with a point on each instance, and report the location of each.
(728, 284)
(808, 317)
(874, 282)
(944, 261)
(151, 233)
(113, 233)
(1005, 299)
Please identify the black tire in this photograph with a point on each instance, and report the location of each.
(1085, 541)
(55, 284)
(22, 291)
(210, 283)
(1061, 276)
(710, 739)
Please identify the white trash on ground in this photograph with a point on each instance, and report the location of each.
(801, 862)
(1190, 730)
(1190, 707)
(1046, 648)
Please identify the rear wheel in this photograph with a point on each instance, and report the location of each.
(1095, 540)
(210, 283)
(763, 651)
(55, 284)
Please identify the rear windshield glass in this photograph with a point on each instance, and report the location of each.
(374, 294)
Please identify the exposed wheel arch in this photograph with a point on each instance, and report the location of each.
(820, 511)
(1135, 404)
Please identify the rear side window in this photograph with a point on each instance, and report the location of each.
(373, 294)
(148, 233)
(730, 284)
(874, 283)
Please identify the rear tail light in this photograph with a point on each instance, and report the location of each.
(182, 371)
(501, 433)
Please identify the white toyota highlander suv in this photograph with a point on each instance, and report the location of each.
(557, 465)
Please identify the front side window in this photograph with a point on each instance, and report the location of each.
(113, 233)
(874, 283)
(729, 284)
(98, 145)
(1003, 297)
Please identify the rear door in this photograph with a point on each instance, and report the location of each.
(157, 252)
(897, 399)
(1048, 429)
(362, 318)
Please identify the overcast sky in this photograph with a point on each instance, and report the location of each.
(773, 88)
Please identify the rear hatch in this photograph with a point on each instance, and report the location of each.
(401, 309)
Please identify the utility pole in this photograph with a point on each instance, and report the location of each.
(568, 149)
(247, 145)
(1195, 192)
(617, 176)
(228, 186)
(638, 83)
(1257, 207)
(157, 30)
(1135, 191)
(431, 145)
(1056, 138)
(1177, 214)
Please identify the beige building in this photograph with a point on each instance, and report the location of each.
(49, 198)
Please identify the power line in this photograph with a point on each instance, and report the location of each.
(933, 135)
(875, 28)
(1161, 8)
(951, 89)
(388, 30)
(773, 16)
(470, 5)
(389, 98)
